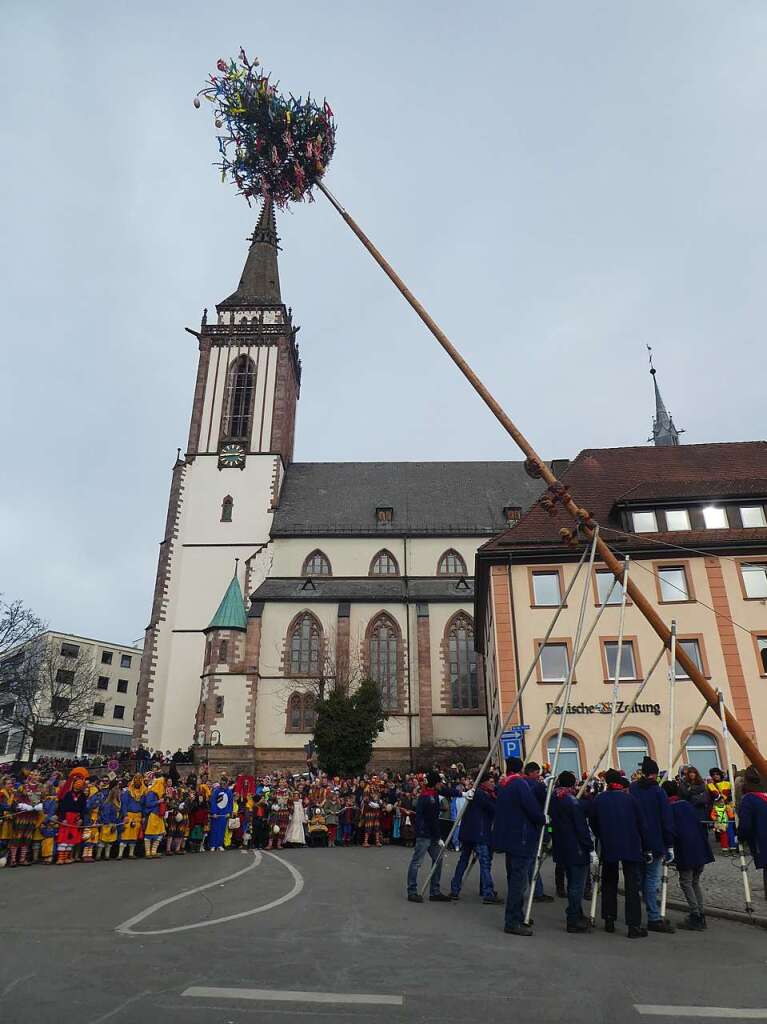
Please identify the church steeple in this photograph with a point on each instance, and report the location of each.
(664, 433)
(260, 280)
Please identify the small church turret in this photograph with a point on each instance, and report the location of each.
(664, 433)
(224, 656)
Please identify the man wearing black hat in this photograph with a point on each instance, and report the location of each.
(516, 828)
(660, 840)
(572, 847)
(618, 824)
(427, 840)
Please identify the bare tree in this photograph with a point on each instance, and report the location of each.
(49, 689)
(18, 624)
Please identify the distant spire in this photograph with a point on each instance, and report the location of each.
(260, 281)
(664, 433)
(230, 614)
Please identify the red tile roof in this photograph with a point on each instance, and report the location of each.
(601, 477)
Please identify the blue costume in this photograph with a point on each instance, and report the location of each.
(659, 835)
(221, 804)
(476, 829)
(753, 826)
(518, 821)
(571, 846)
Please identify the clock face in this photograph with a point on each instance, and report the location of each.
(231, 456)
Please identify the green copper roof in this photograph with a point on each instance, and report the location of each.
(231, 611)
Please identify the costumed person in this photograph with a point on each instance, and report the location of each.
(572, 847)
(131, 815)
(7, 801)
(371, 817)
(617, 821)
(221, 803)
(109, 817)
(753, 819)
(49, 825)
(295, 836)
(332, 808)
(476, 833)
(28, 815)
(96, 794)
(71, 813)
(260, 819)
(532, 774)
(153, 808)
(659, 834)
(428, 840)
(318, 829)
(691, 853)
(516, 828)
(346, 820)
(279, 820)
(198, 821)
(406, 820)
(723, 817)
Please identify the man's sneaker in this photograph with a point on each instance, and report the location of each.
(579, 927)
(439, 897)
(610, 924)
(661, 926)
(519, 929)
(455, 896)
(492, 899)
(414, 897)
(692, 923)
(543, 898)
(637, 933)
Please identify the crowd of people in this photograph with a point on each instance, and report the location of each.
(52, 813)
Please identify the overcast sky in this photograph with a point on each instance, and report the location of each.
(562, 183)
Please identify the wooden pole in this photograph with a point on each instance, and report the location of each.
(580, 515)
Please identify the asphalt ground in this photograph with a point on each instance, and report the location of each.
(76, 945)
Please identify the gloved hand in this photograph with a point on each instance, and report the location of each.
(669, 857)
(648, 857)
(469, 794)
(441, 842)
(594, 858)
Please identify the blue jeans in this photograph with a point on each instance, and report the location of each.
(422, 847)
(485, 858)
(518, 871)
(576, 879)
(650, 883)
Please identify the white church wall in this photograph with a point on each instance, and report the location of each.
(351, 556)
(463, 730)
(172, 724)
(233, 725)
(424, 553)
(206, 486)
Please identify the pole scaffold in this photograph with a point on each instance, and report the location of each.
(731, 774)
(669, 768)
(558, 493)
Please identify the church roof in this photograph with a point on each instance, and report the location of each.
(425, 498)
(373, 590)
(260, 280)
(231, 612)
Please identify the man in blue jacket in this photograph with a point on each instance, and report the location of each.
(660, 839)
(532, 772)
(692, 851)
(572, 846)
(517, 825)
(476, 829)
(752, 824)
(618, 823)
(427, 840)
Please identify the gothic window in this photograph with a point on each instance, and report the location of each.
(226, 509)
(383, 639)
(316, 564)
(384, 564)
(462, 663)
(301, 715)
(304, 646)
(223, 651)
(451, 564)
(240, 390)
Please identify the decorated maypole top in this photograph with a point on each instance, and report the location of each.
(272, 146)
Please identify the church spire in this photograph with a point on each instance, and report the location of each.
(230, 614)
(664, 433)
(260, 280)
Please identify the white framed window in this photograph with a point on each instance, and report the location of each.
(605, 580)
(672, 580)
(645, 522)
(569, 754)
(692, 649)
(715, 517)
(761, 648)
(628, 663)
(677, 519)
(752, 516)
(632, 747)
(554, 663)
(702, 752)
(754, 579)
(546, 589)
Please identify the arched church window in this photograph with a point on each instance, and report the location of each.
(305, 646)
(462, 663)
(384, 564)
(226, 509)
(302, 713)
(316, 564)
(240, 391)
(451, 564)
(383, 638)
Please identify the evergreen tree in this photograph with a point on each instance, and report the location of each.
(346, 728)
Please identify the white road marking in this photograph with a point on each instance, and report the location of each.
(12, 984)
(286, 996)
(126, 928)
(702, 1011)
(111, 1013)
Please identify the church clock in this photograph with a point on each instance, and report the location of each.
(231, 456)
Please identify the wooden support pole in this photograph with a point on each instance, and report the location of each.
(580, 515)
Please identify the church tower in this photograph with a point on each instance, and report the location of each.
(224, 489)
(664, 433)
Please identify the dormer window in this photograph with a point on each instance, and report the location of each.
(512, 514)
(715, 518)
(677, 519)
(644, 522)
(752, 516)
(384, 515)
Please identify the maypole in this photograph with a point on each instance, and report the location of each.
(618, 659)
(277, 148)
(669, 768)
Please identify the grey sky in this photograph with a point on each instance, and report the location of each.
(560, 182)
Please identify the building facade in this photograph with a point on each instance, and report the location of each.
(102, 681)
(693, 520)
(344, 568)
